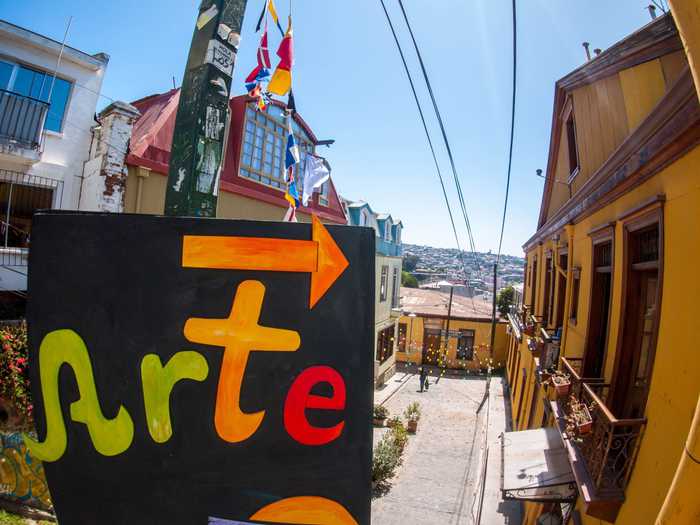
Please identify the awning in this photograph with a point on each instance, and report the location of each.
(536, 466)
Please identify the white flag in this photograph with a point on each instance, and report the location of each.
(316, 172)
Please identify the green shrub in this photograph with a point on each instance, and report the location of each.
(380, 412)
(14, 377)
(388, 453)
(386, 459)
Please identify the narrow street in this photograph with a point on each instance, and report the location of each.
(440, 481)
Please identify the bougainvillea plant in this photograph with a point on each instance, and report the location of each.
(15, 396)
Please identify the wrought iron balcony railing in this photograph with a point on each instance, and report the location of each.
(22, 119)
(610, 447)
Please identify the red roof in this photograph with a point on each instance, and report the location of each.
(152, 138)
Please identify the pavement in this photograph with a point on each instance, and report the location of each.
(445, 476)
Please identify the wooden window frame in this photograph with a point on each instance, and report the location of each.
(637, 218)
(601, 234)
(463, 334)
(533, 285)
(575, 294)
(573, 157)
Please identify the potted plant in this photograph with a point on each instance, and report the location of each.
(579, 419)
(561, 382)
(393, 422)
(379, 415)
(412, 414)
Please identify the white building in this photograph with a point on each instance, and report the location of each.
(45, 136)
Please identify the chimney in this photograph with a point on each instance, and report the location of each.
(104, 174)
(597, 51)
(652, 11)
(588, 51)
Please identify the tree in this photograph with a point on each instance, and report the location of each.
(505, 299)
(410, 262)
(408, 280)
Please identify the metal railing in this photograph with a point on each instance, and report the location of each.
(22, 119)
(21, 195)
(610, 448)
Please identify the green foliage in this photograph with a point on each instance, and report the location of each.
(388, 453)
(380, 412)
(413, 412)
(408, 280)
(410, 262)
(394, 421)
(14, 377)
(505, 299)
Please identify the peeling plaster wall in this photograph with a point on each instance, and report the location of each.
(104, 183)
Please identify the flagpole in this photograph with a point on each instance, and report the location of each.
(198, 140)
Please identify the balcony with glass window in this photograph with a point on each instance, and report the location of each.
(601, 452)
(21, 126)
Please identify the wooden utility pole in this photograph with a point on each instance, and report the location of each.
(198, 141)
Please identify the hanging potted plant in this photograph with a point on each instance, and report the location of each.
(561, 382)
(379, 415)
(412, 414)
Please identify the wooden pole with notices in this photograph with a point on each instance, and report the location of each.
(198, 139)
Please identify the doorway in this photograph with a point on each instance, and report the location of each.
(601, 291)
(431, 346)
(635, 360)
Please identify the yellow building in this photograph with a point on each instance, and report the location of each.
(423, 329)
(610, 276)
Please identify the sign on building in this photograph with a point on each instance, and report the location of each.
(192, 371)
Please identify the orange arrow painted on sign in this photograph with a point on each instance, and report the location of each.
(321, 256)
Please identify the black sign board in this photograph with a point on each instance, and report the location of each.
(194, 371)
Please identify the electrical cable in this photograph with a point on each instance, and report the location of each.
(460, 195)
(425, 126)
(512, 132)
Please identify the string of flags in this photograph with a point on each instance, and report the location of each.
(261, 85)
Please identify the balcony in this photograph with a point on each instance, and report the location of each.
(390, 248)
(21, 126)
(603, 458)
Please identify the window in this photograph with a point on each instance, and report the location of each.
(383, 284)
(465, 345)
(20, 196)
(561, 289)
(37, 84)
(533, 284)
(398, 235)
(599, 315)
(639, 323)
(546, 311)
(573, 150)
(395, 289)
(575, 287)
(264, 148)
(323, 194)
(401, 345)
(385, 344)
(387, 231)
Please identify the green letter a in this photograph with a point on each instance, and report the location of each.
(109, 436)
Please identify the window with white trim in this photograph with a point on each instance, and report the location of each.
(265, 144)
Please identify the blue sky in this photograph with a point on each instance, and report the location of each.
(350, 86)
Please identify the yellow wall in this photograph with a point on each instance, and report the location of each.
(605, 113)
(230, 205)
(482, 339)
(675, 382)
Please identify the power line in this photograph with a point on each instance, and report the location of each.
(512, 131)
(444, 134)
(425, 126)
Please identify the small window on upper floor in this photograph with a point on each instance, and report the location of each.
(38, 85)
(573, 149)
